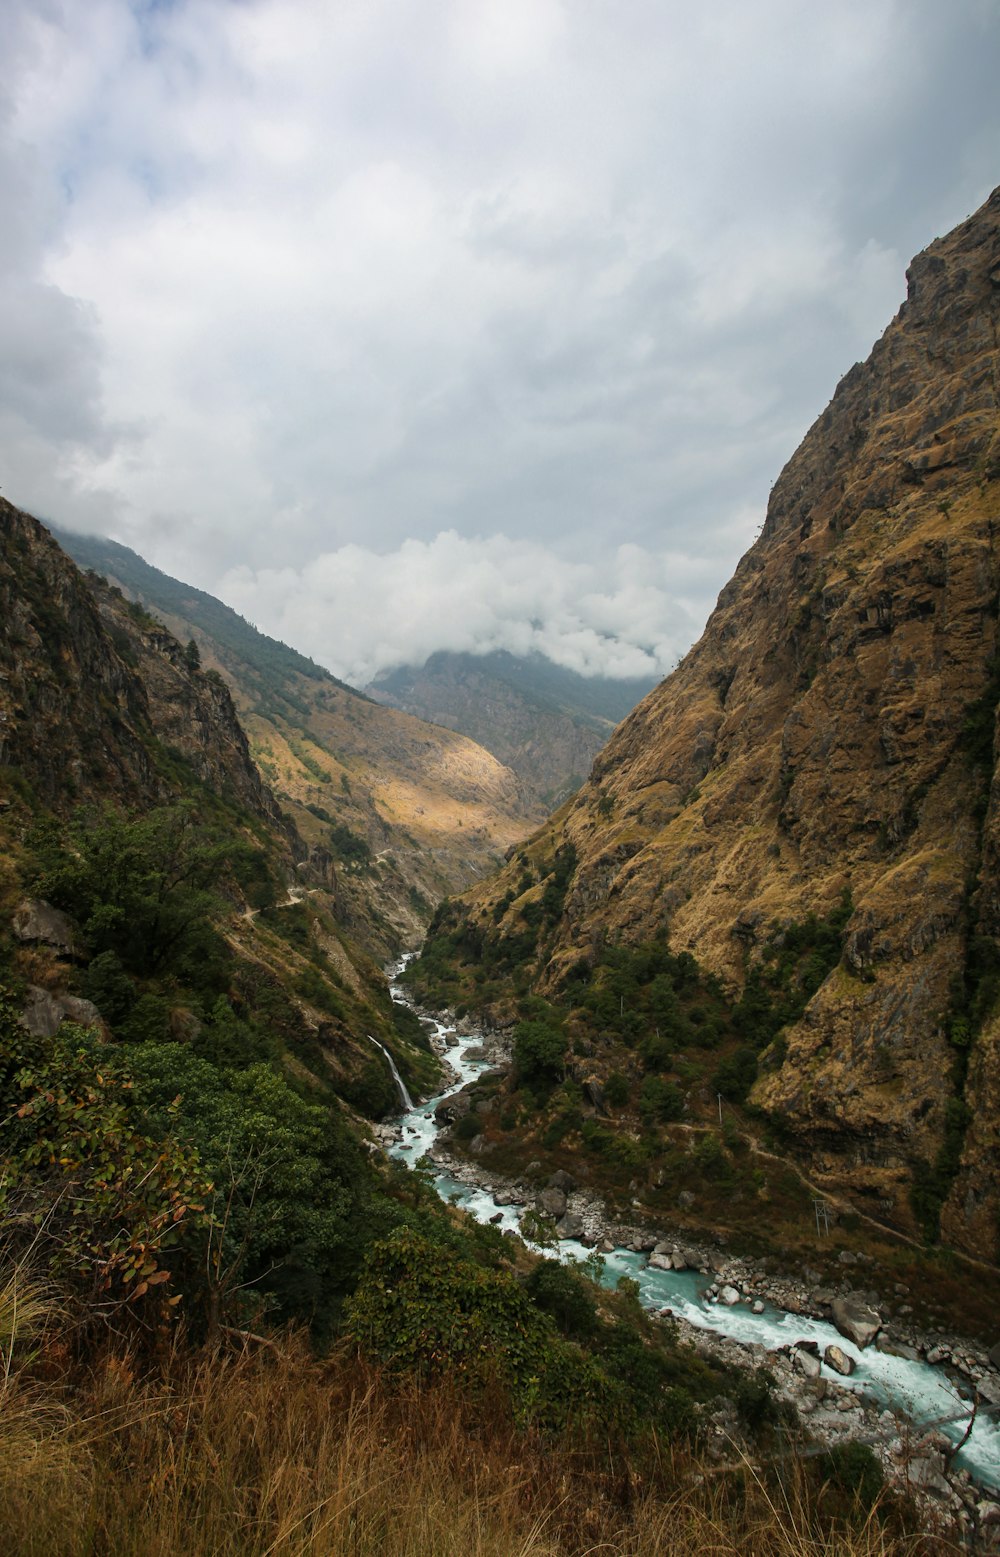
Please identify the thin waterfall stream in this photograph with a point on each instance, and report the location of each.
(404, 1096)
(922, 1394)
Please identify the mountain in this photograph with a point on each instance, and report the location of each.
(134, 820)
(542, 720)
(398, 811)
(808, 808)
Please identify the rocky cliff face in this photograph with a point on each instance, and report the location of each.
(834, 731)
(97, 700)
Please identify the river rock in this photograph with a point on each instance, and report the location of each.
(660, 1261)
(570, 1226)
(552, 1201)
(994, 1355)
(756, 1307)
(895, 1348)
(839, 1361)
(562, 1180)
(805, 1363)
(854, 1319)
(729, 1296)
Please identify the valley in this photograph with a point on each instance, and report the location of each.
(723, 1027)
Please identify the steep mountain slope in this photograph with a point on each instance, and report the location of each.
(544, 721)
(127, 786)
(828, 749)
(398, 810)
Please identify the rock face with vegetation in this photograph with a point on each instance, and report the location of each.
(545, 722)
(397, 811)
(808, 804)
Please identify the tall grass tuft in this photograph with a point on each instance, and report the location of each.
(267, 1452)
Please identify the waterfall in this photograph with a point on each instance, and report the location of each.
(404, 1096)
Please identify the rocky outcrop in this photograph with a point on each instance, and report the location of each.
(834, 732)
(96, 699)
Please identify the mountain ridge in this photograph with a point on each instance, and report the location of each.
(544, 721)
(398, 810)
(830, 740)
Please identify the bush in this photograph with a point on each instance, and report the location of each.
(854, 1468)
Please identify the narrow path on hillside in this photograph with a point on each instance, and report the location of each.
(845, 1206)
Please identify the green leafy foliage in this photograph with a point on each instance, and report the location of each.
(539, 1052)
(116, 1198)
(144, 888)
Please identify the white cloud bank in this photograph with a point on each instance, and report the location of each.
(359, 612)
(290, 280)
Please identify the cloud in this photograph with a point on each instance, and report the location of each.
(287, 278)
(360, 612)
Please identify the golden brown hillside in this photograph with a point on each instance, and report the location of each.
(834, 732)
(395, 812)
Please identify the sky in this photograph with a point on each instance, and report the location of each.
(404, 325)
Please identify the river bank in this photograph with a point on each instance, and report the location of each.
(907, 1394)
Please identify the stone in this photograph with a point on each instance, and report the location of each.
(895, 1348)
(839, 1361)
(569, 1226)
(685, 1200)
(855, 1320)
(660, 1262)
(562, 1180)
(926, 1475)
(994, 1355)
(756, 1306)
(938, 1354)
(37, 922)
(805, 1363)
(552, 1201)
(45, 1012)
(729, 1296)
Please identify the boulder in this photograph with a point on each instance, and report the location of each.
(37, 922)
(994, 1355)
(685, 1200)
(855, 1320)
(562, 1180)
(552, 1202)
(839, 1361)
(729, 1296)
(805, 1363)
(570, 1226)
(660, 1261)
(44, 1012)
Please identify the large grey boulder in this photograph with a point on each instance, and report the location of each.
(562, 1180)
(569, 1226)
(805, 1363)
(552, 1201)
(44, 1012)
(37, 922)
(855, 1319)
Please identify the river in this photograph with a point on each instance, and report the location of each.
(920, 1392)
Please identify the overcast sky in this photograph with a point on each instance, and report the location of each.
(418, 324)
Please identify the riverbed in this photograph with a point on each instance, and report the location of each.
(914, 1389)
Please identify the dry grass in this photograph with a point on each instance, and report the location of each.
(266, 1453)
